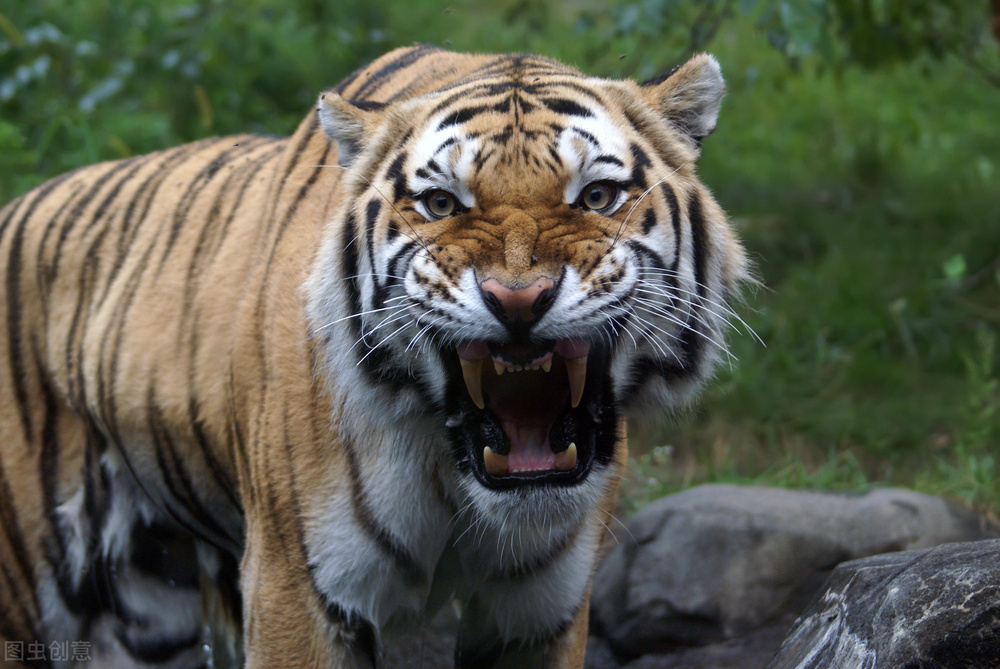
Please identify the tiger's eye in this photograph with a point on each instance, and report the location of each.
(440, 203)
(598, 196)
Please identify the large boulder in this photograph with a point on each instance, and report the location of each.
(717, 562)
(935, 608)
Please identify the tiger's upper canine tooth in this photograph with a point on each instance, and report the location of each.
(495, 464)
(547, 365)
(498, 367)
(566, 460)
(576, 368)
(472, 372)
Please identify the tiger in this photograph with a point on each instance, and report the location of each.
(293, 396)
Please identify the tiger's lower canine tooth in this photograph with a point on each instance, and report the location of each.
(472, 372)
(566, 460)
(497, 464)
(576, 368)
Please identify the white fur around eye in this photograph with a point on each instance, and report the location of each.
(578, 151)
(454, 155)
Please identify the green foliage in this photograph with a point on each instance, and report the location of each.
(112, 78)
(876, 32)
(862, 179)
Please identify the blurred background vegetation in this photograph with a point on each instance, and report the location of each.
(858, 153)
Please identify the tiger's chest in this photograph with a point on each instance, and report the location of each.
(397, 542)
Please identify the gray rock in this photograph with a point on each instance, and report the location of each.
(715, 562)
(935, 608)
(752, 651)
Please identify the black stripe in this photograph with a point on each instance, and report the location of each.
(395, 175)
(699, 245)
(292, 493)
(74, 215)
(587, 136)
(186, 201)
(461, 116)
(238, 441)
(556, 158)
(445, 144)
(15, 539)
(294, 163)
(379, 77)
(16, 355)
(81, 311)
(372, 212)
(407, 565)
(48, 463)
(610, 160)
(146, 192)
(219, 475)
(394, 266)
(255, 166)
(350, 259)
(111, 353)
(202, 249)
(675, 223)
(41, 271)
(565, 106)
(14, 334)
(640, 163)
(369, 105)
(137, 164)
(176, 477)
(301, 195)
(660, 78)
(648, 221)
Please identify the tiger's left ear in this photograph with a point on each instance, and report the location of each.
(348, 124)
(690, 96)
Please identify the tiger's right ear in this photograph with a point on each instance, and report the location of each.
(689, 97)
(348, 124)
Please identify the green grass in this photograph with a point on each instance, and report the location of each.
(869, 201)
(867, 198)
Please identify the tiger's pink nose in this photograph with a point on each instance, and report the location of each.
(518, 304)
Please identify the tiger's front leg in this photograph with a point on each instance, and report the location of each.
(285, 622)
(478, 647)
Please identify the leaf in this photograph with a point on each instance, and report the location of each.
(954, 269)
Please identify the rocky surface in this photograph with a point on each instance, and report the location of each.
(717, 574)
(935, 608)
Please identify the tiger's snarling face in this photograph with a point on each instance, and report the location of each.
(529, 257)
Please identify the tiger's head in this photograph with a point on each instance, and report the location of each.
(525, 255)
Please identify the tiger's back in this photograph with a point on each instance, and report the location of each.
(189, 367)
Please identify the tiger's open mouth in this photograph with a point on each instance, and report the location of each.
(532, 413)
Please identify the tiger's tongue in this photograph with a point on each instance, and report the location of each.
(526, 408)
(529, 448)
